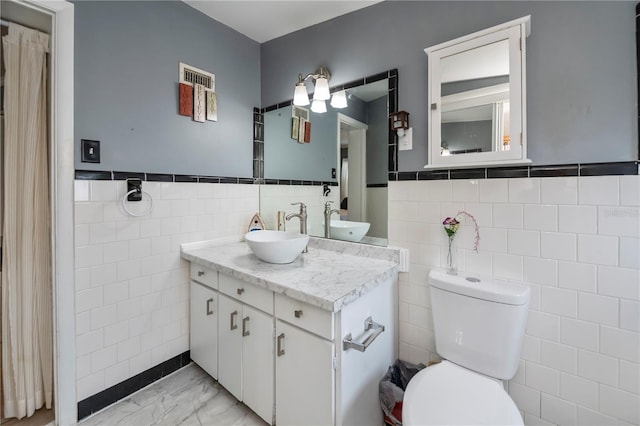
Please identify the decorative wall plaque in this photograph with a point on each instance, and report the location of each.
(186, 99)
(212, 106)
(199, 100)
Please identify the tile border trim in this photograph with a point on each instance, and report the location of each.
(161, 177)
(563, 170)
(103, 399)
(622, 168)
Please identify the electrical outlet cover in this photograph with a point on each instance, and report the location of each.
(405, 142)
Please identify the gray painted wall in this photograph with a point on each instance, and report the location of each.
(126, 88)
(581, 73)
(377, 141)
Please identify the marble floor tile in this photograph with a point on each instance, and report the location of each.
(188, 397)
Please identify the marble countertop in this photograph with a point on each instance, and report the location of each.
(322, 277)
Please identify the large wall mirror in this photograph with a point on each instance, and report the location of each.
(344, 159)
(477, 87)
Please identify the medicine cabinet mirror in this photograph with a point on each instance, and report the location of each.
(477, 98)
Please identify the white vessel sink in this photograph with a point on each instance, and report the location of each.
(349, 231)
(276, 246)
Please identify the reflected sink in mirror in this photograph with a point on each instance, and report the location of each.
(276, 246)
(349, 231)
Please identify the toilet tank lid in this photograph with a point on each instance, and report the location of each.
(481, 287)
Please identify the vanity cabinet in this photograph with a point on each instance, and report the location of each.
(305, 363)
(283, 353)
(204, 319)
(245, 344)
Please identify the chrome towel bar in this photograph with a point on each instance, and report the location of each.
(369, 324)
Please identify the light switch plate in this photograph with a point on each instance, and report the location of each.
(90, 151)
(405, 142)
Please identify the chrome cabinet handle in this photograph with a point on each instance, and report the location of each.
(280, 344)
(200, 273)
(297, 313)
(240, 291)
(245, 329)
(209, 308)
(232, 317)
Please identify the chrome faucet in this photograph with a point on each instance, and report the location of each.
(302, 216)
(327, 218)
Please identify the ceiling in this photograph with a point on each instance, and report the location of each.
(265, 20)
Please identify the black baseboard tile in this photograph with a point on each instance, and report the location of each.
(185, 178)
(407, 176)
(159, 177)
(209, 179)
(554, 170)
(433, 175)
(103, 399)
(468, 174)
(128, 175)
(507, 172)
(92, 175)
(377, 185)
(611, 169)
(228, 180)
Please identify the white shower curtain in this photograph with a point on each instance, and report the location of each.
(27, 333)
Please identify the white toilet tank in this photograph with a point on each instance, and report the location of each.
(479, 323)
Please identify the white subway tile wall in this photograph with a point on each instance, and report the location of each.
(132, 287)
(575, 242)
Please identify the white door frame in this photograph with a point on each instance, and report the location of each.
(62, 200)
(362, 166)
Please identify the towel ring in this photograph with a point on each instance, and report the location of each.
(133, 191)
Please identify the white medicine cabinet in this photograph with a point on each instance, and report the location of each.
(477, 98)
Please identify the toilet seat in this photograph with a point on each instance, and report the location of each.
(447, 394)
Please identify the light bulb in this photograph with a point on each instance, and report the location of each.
(339, 100)
(321, 91)
(318, 105)
(300, 96)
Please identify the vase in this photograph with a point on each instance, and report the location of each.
(451, 264)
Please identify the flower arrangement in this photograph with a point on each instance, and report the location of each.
(451, 226)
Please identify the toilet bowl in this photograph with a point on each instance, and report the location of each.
(447, 394)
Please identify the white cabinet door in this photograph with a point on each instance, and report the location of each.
(204, 328)
(257, 362)
(230, 345)
(304, 377)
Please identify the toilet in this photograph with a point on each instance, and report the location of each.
(479, 326)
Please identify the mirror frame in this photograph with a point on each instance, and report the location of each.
(392, 138)
(516, 32)
(392, 145)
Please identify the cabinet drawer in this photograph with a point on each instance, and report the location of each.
(205, 276)
(250, 294)
(304, 315)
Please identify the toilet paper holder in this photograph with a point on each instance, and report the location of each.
(369, 324)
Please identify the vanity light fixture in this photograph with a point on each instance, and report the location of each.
(321, 91)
